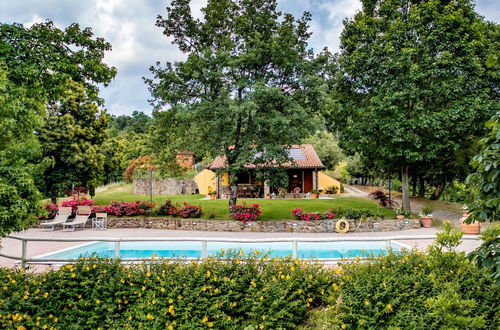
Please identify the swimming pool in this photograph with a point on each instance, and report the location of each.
(195, 249)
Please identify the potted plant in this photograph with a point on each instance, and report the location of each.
(472, 228)
(212, 194)
(314, 193)
(400, 214)
(426, 217)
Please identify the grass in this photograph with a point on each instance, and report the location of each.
(276, 209)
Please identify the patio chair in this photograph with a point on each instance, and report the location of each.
(296, 192)
(81, 219)
(100, 221)
(256, 193)
(60, 218)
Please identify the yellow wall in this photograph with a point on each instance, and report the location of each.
(325, 181)
(206, 181)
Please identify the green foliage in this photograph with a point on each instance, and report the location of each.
(71, 139)
(115, 162)
(247, 87)
(411, 290)
(237, 292)
(485, 181)
(21, 116)
(138, 122)
(327, 148)
(44, 58)
(456, 192)
(488, 254)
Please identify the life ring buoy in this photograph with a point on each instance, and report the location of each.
(342, 226)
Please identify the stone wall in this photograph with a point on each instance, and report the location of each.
(321, 226)
(165, 186)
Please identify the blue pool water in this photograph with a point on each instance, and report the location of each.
(187, 249)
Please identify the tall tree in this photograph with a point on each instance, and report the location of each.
(49, 64)
(412, 84)
(71, 138)
(20, 117)
(327, 148)
(246, 87)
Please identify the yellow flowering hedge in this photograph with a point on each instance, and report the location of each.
(233, 292)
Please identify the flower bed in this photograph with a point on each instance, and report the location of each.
(245, 213)
(308, 216)
(125, 208)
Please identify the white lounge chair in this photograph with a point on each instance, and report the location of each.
(81, 218)
(60, 218)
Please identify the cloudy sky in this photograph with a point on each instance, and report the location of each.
(129, 25)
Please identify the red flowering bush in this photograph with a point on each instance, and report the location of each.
(124, 208)
(245, 213)
(190, 211)
(308, 216)
(77, 200)
(51, 211)
(129, 208)
(168, 208)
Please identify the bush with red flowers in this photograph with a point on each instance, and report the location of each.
(127, 208)
(168, 208)
(51, 211)
(77, 200)
(308, 216)
(245, 213)
(190, 211)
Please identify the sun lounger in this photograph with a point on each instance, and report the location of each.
(81, 219)
(60, 218)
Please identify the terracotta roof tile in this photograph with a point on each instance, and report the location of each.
(310, 159)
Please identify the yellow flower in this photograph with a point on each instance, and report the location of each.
(257, 252)
(210, 324)
(73, 275)
(233, 304)
(229, 318)
(46, 294)
(97, 301)
(261, 326)
(122, 281)
(170, 327)
(208, 274)
(148, 274)
(252, 283)
(343, 326)
(338, 270)
(130, 318)
(367, 302)
(170, 301)
(335, 287)
(150, 317)
(162, 289)
(389, 307)
(310, 299)
(204, 320)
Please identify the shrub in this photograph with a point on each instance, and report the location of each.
(76, 191)
(168, 208)
(412, 290)
(382, 199)
(487, 255)
(236, 293)
(308, 216)
(245, 213)
(77, 200)
(125, 208)
(356, 214)
(51, 210)
(190, 211)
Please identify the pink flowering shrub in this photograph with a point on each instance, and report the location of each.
(245, 213)
(77, 200)
(308, 216)
(50, 211)
(190, 211)
(124, 208)
(168, 208)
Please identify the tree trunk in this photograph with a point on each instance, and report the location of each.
(421, 186)
(233, 197)
(405, 185)
(438, 191)
(414, 185)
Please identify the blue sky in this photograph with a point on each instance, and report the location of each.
(129, 25)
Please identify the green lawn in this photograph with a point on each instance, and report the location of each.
(276, 209)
